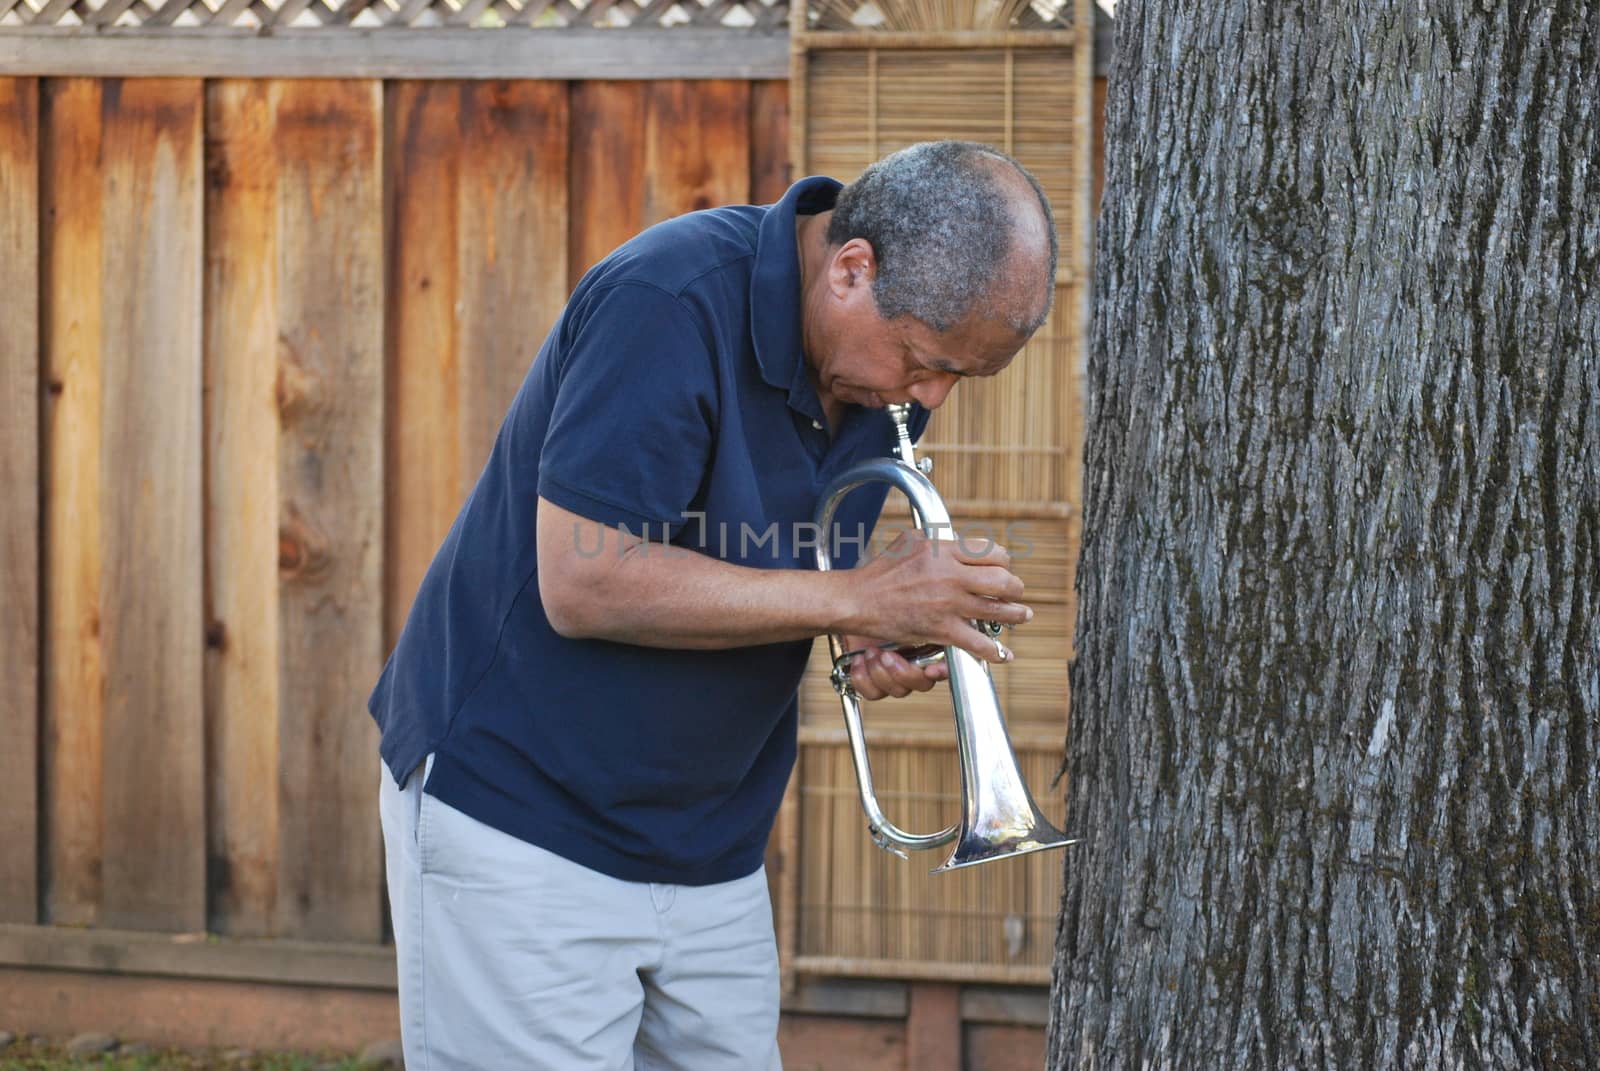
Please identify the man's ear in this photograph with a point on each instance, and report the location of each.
(853, 264)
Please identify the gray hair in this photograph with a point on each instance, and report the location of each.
(937, 218)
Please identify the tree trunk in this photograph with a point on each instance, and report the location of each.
(1336, 704)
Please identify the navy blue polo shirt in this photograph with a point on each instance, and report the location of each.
(671, 398)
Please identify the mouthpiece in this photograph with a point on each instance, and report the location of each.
(900, 413)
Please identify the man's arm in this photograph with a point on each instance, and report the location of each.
(630, 591)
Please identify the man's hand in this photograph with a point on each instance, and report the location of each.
(921, 591)
(877, 674)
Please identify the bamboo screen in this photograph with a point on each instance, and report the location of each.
(864, 912)
(1006, 450)
(1007, 459)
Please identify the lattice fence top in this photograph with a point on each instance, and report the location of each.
(159, 15)
(935, 15)
(267, 15)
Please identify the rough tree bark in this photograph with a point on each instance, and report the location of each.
(1336, 704)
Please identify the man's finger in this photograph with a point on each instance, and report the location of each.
(975, 552)
(994, 582)
(980, 644)
(873, 665)
(1006, 613)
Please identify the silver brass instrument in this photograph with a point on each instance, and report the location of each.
(999, 818)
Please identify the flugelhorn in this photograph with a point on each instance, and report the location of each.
(999, 819)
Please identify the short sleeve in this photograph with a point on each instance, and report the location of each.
(631, 429)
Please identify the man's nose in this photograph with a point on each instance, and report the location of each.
(930, 393)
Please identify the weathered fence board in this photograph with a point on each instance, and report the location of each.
(696, 148)
(122, 761)
(241, 360)
(330, 292)
(769, 141)
(607, 169)
(19, 476)
(645, 151)
(73, 670)
(151, 551)
(478, 240)
(423, 451)
(513, 228)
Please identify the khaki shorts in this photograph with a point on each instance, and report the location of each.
(512, 957)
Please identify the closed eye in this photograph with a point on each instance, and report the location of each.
(941, 366)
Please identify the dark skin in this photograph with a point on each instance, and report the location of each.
(857, 357)
(925, 592)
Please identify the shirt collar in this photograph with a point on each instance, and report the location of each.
(775, 321)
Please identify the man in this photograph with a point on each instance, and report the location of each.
(590, 715)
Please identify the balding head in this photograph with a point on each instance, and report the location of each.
(958, 230)
(1026, 282)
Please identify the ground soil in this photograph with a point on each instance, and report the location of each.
(40, 1054)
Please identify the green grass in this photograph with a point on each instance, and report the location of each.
(26, 1055)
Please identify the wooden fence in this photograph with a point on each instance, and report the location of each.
(257, 337)
(255, 340)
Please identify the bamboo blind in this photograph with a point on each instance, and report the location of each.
(1006, 450)
(1005, 447)
(863, 911)
(1007, 459)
